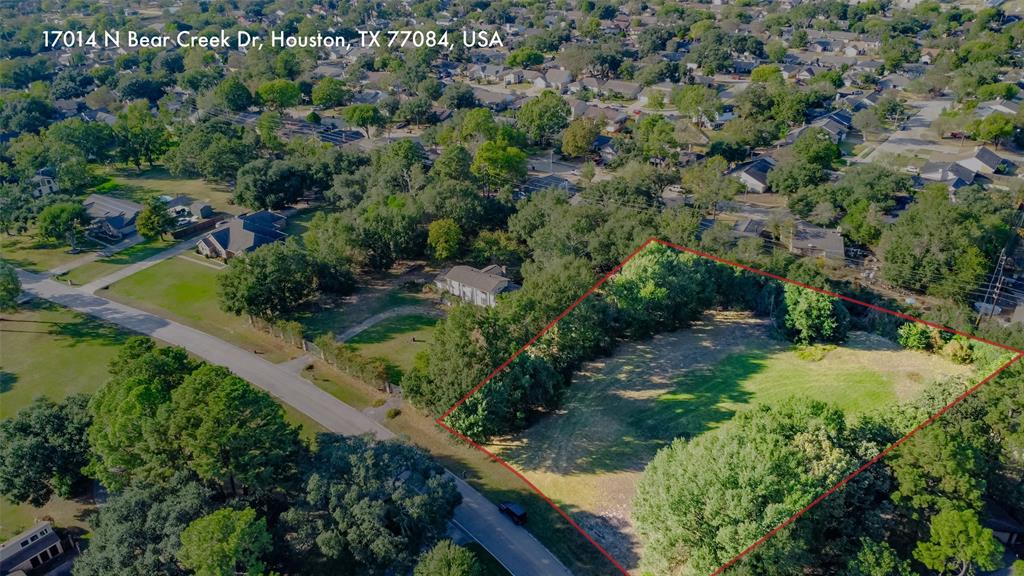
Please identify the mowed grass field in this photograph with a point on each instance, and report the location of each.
(99, 268)
(139, 186)
(620, 410)
(29, 252)
(186, 291)
(397, 340)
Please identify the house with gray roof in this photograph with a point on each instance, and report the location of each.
(480, 287)
(242, 234)
(112, 217)
(30, 550)
(985, 161)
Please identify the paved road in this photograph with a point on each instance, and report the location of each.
(513, 546)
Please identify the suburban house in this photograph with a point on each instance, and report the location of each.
(186, 210)
(30, 550)
(242, 234)
(817, 242)
(754, 174)
(479, 287)
(43, 184)
(985, 161)
(952, 174)
(112, 217)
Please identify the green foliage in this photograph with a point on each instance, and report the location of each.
(268, 282)
(498, 165)
(701, 501)
(370, 507)
(279, 94)
(153, 221)
(814, 317)
(43, 450)
(365, 116)
(213, 149)
(815, 146)
(448, 559)
(266, 183)
(331, 92)
(140, 135)
(10, 288)
(915, 336)
(578, 138)
(878, 559)
(225, 543)
(939, 469)
(63, 222)
(699, 103)
(544, 116)
(766, 73)
(524, 58)
(444, 238)
(959, 543)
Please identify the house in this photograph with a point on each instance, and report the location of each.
(985, 161)
(813, 241)
(558, 79)
(112, 217)
(43, 184)
(242, 234)
(954, 175)
(496, 101)
(754, 174)
(29, 550)
(479, 287)
(186, 210)
(627, 90)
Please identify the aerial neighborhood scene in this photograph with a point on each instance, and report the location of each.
(512, 288)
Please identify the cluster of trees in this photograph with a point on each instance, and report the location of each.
(921, 510)
(191, 454)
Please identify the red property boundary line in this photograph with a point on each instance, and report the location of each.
(1019, 354)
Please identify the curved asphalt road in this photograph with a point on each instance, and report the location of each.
(513, 546)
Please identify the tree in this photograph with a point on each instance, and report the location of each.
(701, 501)
(371, 505)
(794, 174)
(270, 184)
(897, 51)
(458, 96)
(709, 184)
(994, 128)
(331, 245)
(448, 559)
(140, 135)
(444, 237)
(543, 117)
(959, 543)
(63, 222)
(10, 288)
(138, 530)
(815, 146)
(776, 51)
(499, 166)
(766, 73)
(700, 103)
(43, 450)
(812, 316)
(578, 138)
(279, 94)
(225, 543)
(524, 58)
(877, 559)
(272, 280)
(868, 123)
(153, 221)
(331, 92)
(364, 116)
(234, 94)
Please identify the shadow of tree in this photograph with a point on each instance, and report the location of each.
(7, 380)
(392, 327)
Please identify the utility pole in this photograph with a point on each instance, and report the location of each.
(995, 280)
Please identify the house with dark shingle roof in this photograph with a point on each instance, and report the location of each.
(242, 234)
(112, 217)
(479, 287)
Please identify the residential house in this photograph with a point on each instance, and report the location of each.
(496, 101)
(43, 183)
(627, 90)
(187, 210)
(952, 174)
(813, 241)
(985, 161)
(30, 550)
(754, 174)
(242, 234)
(610, 119)
(558, 79)
(112, 217)
(485, 72)
(480, 287)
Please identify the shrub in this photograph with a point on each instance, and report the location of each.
(393, 413)
(915, 336)
(958, 350)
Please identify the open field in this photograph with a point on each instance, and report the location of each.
(186, 291)
(140, 186)
(396, 339)
(620, 410)
(99, 268)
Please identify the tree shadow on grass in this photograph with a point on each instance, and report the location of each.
(7, 380)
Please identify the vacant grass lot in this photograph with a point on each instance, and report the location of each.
(620, 410)
(397, 340)
(140, 186)
(29, 252)
(99, 268)
(186, 291)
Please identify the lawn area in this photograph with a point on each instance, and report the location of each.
(396, 339)
(46, 350)
(339, 314)
(156, 181)
(186, 291)
(99, 268)
(620, 410)
(342, 386)
(31, 253)
(308, 428)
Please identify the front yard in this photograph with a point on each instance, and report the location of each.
(29, 252)
(104, 266)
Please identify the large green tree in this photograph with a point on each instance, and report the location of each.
(814, 317)
(140, 135)
(153, 221)
(959, 544)
(10, 287)
(268, 282)
(448, 559)
(225, 543)
(543, 117)
(63, 222)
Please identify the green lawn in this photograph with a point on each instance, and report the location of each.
(397, 339)
(186, 291)
(46, 350)
(140, 186)
(35, 255)
(99, 268)
(331, 315)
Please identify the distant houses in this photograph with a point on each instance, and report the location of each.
(242, 234)
(480, 287)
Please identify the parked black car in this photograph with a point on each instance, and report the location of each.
(513, 511)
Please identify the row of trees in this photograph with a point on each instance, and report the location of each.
(191, 454)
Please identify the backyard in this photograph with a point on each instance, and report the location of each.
(620, 410)
(137, 186)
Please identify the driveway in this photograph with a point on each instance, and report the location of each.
(130, 269)
(110, 250)
(513, 546)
